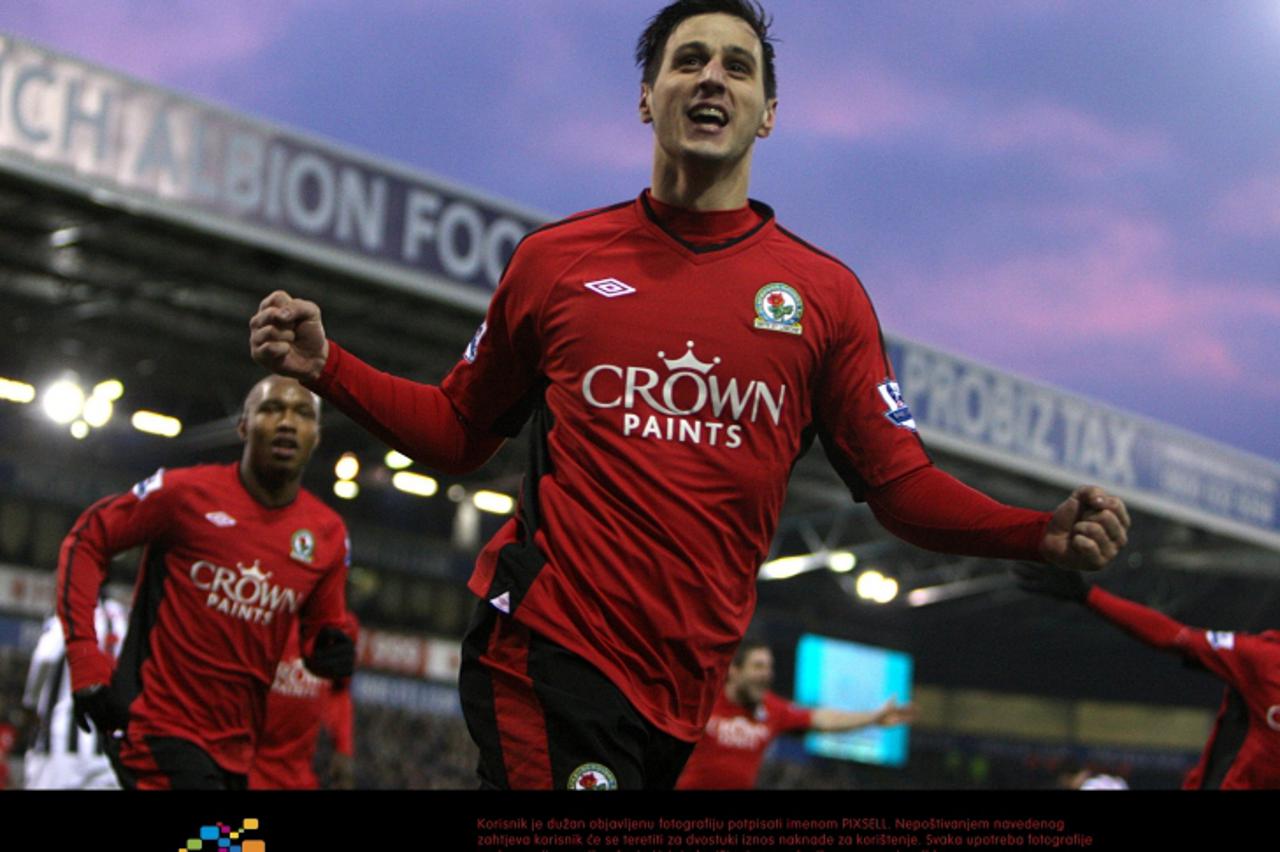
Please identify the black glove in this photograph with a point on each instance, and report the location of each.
(99, 704)
(333, 656)
(1063, 583)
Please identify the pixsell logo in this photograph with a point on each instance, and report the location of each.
(246, 593)
(220, 837)
(688, 403)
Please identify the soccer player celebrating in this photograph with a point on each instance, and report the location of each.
(235, 554)
(747, 717)
(676, 354)
(1243, 752)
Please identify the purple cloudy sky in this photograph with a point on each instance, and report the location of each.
(1084, 192)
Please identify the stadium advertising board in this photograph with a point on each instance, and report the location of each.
(148, 150)
(973, 410)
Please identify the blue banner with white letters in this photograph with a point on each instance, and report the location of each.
(974, 410)
(130, 144)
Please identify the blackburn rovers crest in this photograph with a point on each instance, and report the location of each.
(779, 308)
(302, 546)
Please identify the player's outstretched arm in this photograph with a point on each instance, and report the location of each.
(1086, 531)
(287, 337)
(1144, 623)
(933, 510)
(830, 720)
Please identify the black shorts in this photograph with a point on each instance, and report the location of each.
(170, 763)
(546, 719)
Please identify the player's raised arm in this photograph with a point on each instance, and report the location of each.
(287, 337)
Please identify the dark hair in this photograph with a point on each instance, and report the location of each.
(748, 645)
(653, 41)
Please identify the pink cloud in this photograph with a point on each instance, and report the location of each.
(855, 103)
(865, 102)
(1251, 208)
(161, 42)
(1115, 288)
(615, 145)
(1203, 355)
(1085, 145)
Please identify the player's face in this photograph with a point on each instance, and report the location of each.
(280, 428)
(754, 675)
(707, 102)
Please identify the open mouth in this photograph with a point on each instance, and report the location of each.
(284, 447)
(709, 116)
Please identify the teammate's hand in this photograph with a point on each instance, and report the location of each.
(1087, 530)
(99, 704)
(334, 655)
(342, 772)
(287, 337)
(1055, 582)
(891, 714)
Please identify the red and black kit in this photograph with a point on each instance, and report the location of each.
(222, 583)
(674, 366)
(729, 755)
(1243, 752)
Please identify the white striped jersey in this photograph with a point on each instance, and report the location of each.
(62, 756)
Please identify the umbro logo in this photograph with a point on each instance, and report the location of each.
(220, 519)
(610, 287)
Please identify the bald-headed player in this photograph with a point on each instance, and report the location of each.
(235, 555)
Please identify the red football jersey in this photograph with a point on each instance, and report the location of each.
(299, 705)
(223, 580)
(1243, 752)
(675, 365)
(729, 755)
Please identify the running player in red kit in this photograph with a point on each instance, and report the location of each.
(748, 716)
(235, 554)
(1243, 752)
(675, 354)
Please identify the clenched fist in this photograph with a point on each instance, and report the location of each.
(287, 337)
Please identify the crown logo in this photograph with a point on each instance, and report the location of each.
(689, 361)
(255, 570)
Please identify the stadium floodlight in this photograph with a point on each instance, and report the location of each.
(888, 591)
(63, 401)
(346, 489)
(347, 467)
(110, 390)
(97, 411)
(785, 567)
(842, 561)
(397, 461)
(16, 391)
(79, 430)
(156, 424)
(415, 483)
(493, 502)
(874, 586)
